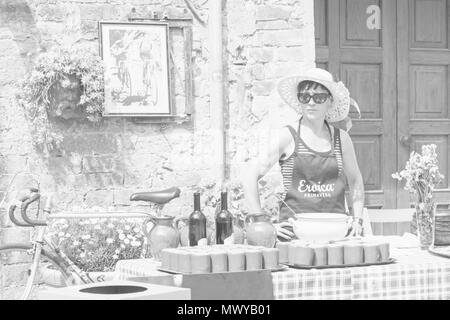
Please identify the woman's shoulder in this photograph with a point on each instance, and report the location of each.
(345, 138)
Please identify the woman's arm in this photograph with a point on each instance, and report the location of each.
(353, 174)
(258, 167)
(280, 143)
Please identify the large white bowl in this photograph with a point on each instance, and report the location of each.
(320, 227)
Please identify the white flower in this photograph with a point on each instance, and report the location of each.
(115, 257)
(135, 243)
(76, 243)
(85, 237)
(117, 251)
(82, 255)
(97, 227)
(136, 229)
(110, 225)
(126, 241)
(127, 227)
(130, 236)
(109, 240)
(121, 236)
(61, 234)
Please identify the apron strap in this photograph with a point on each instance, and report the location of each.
(295, 136)
(338, 150)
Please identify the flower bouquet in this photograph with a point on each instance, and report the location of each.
(97, 244)
(422, 175)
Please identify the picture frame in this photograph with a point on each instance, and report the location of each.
(137, 68)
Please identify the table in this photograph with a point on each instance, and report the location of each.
(417, 274)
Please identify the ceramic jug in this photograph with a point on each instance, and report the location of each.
(260, 231)
(162, 235)
(181, 224)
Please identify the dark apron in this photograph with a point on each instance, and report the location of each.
(318, 180)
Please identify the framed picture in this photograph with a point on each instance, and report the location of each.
(137, 71)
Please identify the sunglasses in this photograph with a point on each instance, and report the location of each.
(318, 98)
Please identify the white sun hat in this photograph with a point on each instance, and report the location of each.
(287, 89)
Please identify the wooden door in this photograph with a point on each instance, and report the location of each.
(424, 84)
(365, 60)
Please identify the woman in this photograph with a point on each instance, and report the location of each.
(316, 159)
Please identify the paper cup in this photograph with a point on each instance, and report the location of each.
(383, 249)
(184, 261)
(371, 253)
(200, 262)
(173, 259)
(283, 251)
(253, 259)
(236, 260)
(270, 258)
(353, 253)
(165, 259)
(219, 261)
(303, 255)
(320, 255)
(335, 254)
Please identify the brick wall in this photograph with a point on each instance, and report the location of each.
(101, 165)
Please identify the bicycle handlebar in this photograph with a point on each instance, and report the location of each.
(24, 201)
(23, 211)
(13, 208)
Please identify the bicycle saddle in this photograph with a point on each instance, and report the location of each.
(158, 197)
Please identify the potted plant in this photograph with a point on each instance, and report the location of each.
(422, 175)
(65, 83)
(95, 245)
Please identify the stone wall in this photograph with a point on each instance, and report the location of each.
(101, 165)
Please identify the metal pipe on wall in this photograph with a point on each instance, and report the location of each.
(216, 77)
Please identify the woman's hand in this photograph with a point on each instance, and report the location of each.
(282, 232)
(355, 228)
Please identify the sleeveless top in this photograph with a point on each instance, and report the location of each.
(313, 181)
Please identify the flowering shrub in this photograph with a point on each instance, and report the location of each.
(53, 71)
(421, 173)
(97, 244)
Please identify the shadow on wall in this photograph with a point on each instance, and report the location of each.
(16, 16)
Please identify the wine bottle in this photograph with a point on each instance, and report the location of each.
(197, 223)
(224, 220)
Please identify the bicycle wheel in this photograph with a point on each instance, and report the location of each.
(15, 262)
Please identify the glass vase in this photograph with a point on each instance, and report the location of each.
(423, 221)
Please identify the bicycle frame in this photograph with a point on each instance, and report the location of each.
(42, 242)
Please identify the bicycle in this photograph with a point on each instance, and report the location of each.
(43, 252)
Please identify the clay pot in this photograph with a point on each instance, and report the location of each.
(260, 231)
(162, 235)
(181, 224)
(65, 95)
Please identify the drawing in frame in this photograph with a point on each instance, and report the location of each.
(137, 70)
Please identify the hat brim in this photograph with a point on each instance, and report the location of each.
(287, 89)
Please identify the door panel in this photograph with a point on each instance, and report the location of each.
(365, 60)
(365, 83)
(424, 85)
(353, 24)
(428, 24)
